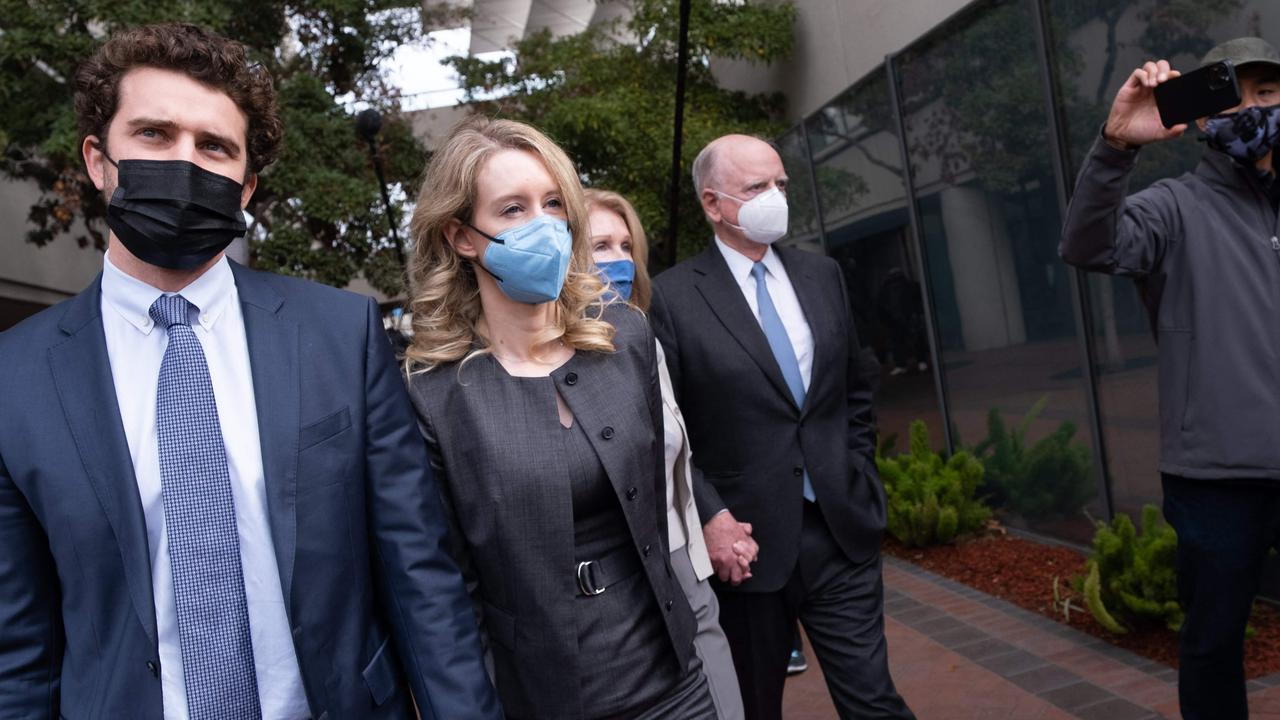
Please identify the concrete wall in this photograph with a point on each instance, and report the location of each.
(43, 275)
(837, 42)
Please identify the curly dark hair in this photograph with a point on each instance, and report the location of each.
(189, 49)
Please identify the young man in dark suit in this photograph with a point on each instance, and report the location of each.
(214, 499)
(768, 372)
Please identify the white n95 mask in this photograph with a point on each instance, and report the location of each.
(763, 218)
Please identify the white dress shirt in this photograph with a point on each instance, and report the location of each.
(135, 347)
(784, 301)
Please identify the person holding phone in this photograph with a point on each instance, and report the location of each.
(1204, 245)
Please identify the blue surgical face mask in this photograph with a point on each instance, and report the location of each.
(619, 275)
(530, 262)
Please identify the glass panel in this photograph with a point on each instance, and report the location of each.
(802, 223)
(858, 167)
(978, 143)
(1095, 46)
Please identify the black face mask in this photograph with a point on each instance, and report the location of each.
(172, 213)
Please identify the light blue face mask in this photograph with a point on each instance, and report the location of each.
(619, 275)
(531, 261)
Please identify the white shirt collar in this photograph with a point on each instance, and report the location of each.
(132, 298)
(740, 265)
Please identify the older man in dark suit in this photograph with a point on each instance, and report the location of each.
(768, 371)
(214, 500)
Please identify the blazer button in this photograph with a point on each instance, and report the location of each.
(798, 472)
(607, 433)
(571, 379)
(669, 606)
(645, 551)
(154, 668)
(632, 493)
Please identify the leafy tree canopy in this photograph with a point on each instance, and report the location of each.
(317, 211)
(607, 95)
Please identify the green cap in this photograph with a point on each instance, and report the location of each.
(1242, 51)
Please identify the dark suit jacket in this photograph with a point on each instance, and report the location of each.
(512, 514)
(356, 521)
(749, 439)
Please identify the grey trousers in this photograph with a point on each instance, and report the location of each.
(710, 643)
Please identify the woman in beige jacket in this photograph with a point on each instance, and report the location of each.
(619, 249)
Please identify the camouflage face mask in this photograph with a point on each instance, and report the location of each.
(1247, 135)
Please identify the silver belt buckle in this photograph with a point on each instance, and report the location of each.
(587, 587)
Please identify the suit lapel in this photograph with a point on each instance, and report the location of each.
(593, 415)
(277, 377)
(724, 296)
(809, 293)
(82, 374)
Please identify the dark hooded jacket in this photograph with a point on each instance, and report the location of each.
(1206, 241)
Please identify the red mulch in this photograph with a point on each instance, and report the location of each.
(1022, 572)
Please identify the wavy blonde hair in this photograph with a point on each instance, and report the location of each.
(444, 296)
(641, 290)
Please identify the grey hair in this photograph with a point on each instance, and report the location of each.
(704, 168)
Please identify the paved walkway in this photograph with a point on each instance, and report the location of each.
(959, 654)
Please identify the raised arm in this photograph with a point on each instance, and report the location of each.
(1104, 231)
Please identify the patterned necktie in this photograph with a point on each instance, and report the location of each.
(200, 524)
(783, 351)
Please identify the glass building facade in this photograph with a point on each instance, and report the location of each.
(939, 181)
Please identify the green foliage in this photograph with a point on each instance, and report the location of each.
(931, 500)
(1132, 576)
(607, 95)
(317, 211)
(1053, 477)
(1093, 601)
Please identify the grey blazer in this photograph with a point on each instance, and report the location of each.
(511, 512)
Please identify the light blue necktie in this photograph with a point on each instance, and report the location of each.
(783, 352)
(200, 523)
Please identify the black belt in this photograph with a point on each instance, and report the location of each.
(595, 576)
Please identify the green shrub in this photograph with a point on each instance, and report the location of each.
(1052, 478)
(1132, 576)
(931, 500)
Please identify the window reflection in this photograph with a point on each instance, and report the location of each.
(978, 142)
(857, 167)
(979, 151)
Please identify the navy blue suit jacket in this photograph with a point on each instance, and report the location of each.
(374, 601)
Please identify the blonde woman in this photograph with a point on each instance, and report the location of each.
(542, 412)
(620, 250)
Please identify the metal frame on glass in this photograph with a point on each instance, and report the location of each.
(1076, 278)
(1080, 300)
(813, 184)
(922, 264)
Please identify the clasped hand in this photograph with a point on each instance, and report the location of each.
(731, 547)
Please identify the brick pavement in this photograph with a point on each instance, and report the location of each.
(958, 654)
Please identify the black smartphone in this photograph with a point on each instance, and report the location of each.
(1199, 93)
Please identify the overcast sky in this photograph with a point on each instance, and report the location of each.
(418, 70)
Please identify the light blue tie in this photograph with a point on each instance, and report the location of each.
(200, 523)
(783, 351)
